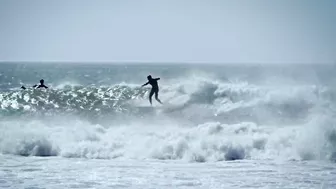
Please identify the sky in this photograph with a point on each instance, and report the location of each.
(208, 31)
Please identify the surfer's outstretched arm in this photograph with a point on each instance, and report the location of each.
(42, 86)
(145, 84)
(157, 78)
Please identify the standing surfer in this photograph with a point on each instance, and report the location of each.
(155, 88)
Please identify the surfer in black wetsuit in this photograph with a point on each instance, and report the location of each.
(155, 88)
(41, 85)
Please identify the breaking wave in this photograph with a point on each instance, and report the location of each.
(201, 120)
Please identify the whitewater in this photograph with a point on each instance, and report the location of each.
(220, 126)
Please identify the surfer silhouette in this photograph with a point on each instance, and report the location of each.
(155, 88)
(40, 85)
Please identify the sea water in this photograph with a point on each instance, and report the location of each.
(220, 126)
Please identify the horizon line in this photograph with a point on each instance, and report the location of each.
(160, 62)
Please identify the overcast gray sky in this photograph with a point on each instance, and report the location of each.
(266, 31)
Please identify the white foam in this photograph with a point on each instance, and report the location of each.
(201, 120)
(165, 139)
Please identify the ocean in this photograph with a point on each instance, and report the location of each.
(220, 126)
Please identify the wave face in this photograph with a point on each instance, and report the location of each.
(210, 113)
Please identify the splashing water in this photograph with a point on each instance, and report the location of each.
(205, 117)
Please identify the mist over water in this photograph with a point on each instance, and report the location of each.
(210, 113)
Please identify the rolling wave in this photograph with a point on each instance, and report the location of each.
(200, 99)
(201, 120)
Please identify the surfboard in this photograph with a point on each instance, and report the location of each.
(165, 107)
(146, 104)
(149, 106)
(146, 108)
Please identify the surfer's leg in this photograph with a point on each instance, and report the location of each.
(150, 96)
(157, 96)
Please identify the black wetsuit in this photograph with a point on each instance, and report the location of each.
(40, 86)
(155, 89)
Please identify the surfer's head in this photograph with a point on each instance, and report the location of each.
(41, 81)
(149, 77)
